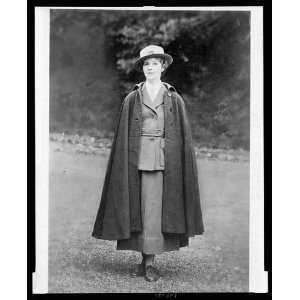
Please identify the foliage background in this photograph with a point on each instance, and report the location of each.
(92, 54)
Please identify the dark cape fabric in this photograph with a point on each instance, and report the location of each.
(119, 213)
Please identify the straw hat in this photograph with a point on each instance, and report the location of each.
(152, 51)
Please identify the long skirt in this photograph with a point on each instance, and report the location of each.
(151, 240)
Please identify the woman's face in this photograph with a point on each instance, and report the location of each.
(152, 68)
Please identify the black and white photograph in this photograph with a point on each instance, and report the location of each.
(149, 150)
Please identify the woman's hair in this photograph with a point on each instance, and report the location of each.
(163, 63)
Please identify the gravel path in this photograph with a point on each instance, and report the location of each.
(214, 262)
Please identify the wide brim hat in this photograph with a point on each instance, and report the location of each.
(152, 51)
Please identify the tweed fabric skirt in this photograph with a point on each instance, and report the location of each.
(151, 240)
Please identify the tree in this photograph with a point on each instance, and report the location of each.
(93, 53)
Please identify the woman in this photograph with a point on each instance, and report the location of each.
(150, 199)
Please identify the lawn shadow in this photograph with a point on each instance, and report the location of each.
(106, 265)
(104, 260)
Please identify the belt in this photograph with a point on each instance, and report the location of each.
(152, 132)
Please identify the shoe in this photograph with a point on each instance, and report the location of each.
(151, 274)
(139, 270)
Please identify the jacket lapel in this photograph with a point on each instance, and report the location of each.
(159, 99)
(146, 99)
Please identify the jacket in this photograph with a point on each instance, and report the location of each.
(151, 156)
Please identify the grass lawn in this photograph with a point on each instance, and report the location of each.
(78, 263)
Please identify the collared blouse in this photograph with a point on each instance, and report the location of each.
(151, 156)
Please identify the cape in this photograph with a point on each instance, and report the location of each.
(119, 212)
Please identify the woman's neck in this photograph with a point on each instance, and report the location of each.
(153, 83)
(153, 88)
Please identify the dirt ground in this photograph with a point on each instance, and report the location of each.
(216, 261)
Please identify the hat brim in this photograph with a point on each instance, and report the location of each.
(139, 63)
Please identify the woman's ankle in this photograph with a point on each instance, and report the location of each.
(149, 260)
